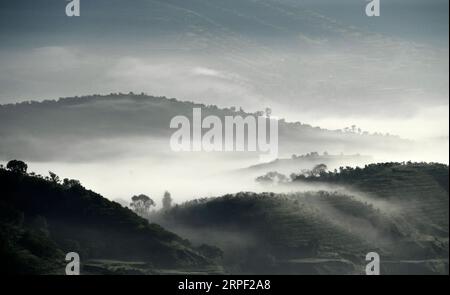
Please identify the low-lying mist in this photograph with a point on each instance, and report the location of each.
(121, 168)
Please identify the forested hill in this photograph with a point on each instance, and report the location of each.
(50, 130)
(41, 220)
(297, 163)
(399, 210)
(391, 179)
(418, 191)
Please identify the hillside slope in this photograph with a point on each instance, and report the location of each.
(42, 220)
(399, 211)
(419, 190)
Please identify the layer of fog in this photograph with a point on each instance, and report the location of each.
(148, 169)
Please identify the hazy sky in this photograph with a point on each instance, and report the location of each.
(318, 61)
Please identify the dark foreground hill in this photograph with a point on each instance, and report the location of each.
(41, 221)
(398, 210)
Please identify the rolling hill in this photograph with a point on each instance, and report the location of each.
(103, 127)
(42, 220)
(397, 210)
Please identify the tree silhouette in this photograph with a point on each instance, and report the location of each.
(17, 166)
(167, 201)
(272, 177)
(141, 204)
(71, 183)
(319, 169)
(54, 177)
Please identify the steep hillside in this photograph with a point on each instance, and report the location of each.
(42, 220)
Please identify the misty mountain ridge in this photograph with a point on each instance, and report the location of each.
(108, 125)
(296, 163)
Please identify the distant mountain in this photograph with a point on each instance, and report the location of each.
(92, 127)
(398, 210)
(41, 221)
(300, 162)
